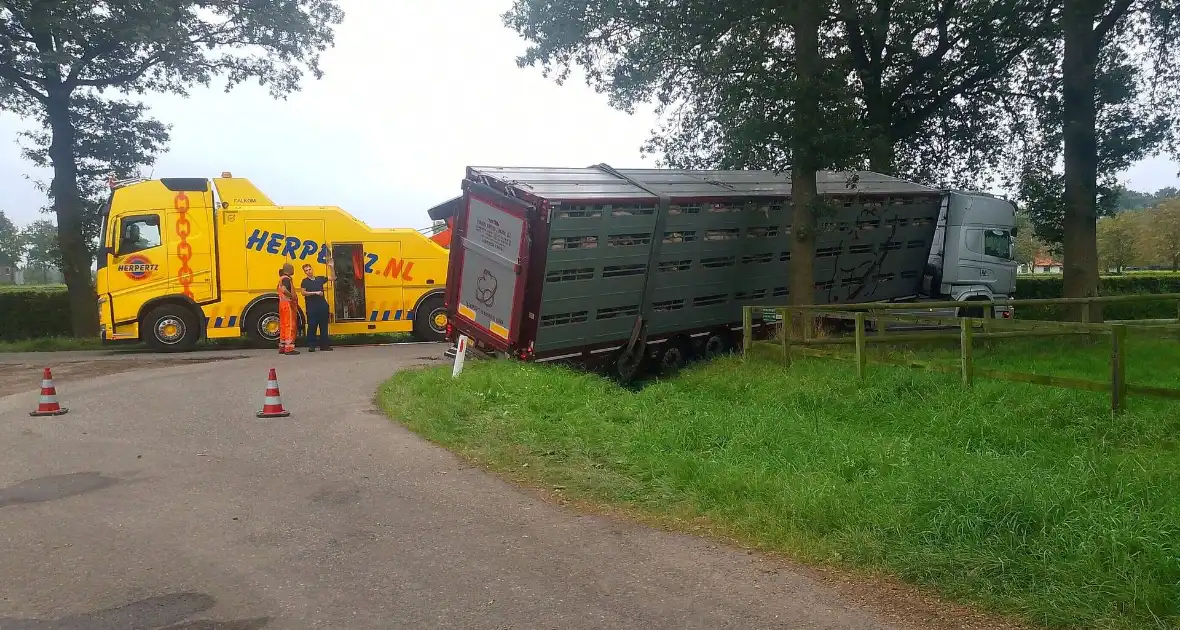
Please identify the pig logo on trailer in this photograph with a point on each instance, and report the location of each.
(485, 289)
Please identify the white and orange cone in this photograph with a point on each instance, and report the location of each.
(48, 406)
(272, 403)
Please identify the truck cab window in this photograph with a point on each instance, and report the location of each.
(997, 243)
(137, 234)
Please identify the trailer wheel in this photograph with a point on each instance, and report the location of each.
(170, 328)
(430, 320)
(626, 366)
(716, 344)
(672, 357)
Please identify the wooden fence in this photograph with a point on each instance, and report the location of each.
(797, 337)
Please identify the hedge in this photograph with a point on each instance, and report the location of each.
(34, 312)
(1132, 284)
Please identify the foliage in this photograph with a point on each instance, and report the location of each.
(1162, 234)
(111, 136)
(61, 61)
(41, 243)
(33, 313)
(12, 244)
(722, 75)
(1136, 200)
(1024, 498)
(1046, 286)
(1116, 240)
(1026, 247)
(1130, 126)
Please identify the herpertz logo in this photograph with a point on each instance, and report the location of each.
(138, 267)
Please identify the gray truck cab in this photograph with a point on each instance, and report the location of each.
(972, 253)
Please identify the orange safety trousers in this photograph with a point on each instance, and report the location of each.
(286, 326)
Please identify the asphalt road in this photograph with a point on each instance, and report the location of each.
(160, 501)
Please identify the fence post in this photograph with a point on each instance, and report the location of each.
(1118, 368)
(968, 366)
(1086, 312)
(860, 345)
(747, 330)
(784, 316)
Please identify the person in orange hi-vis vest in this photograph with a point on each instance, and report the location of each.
(287, 317)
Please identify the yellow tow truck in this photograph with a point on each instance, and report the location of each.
(184, 259)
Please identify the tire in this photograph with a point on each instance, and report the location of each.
(672, 358)
(170, 328)
(627, 366)
(262, 323)
(431, 319)
(716, 345)
(974, 312)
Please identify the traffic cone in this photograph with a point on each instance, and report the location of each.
(272, 403)
(48, 404)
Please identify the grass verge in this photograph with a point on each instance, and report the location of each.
(1023, 499)
(61, 344)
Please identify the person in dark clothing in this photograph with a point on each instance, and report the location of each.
(312, 288)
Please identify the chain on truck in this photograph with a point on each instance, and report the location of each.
(638, 268)
(185, 259)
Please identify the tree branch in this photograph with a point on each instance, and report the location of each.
(19, 79)
(1116, 13)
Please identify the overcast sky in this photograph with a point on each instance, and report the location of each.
(413, 93)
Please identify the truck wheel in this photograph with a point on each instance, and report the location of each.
(430, 320)
(170, 328)
(262, 323)
(974, 312)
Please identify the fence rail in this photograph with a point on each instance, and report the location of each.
(796, 337)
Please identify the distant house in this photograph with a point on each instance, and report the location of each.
(1042, 264)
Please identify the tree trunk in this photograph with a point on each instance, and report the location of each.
(807, 19)
(881, 146)
(67, 204)
(1080, 268)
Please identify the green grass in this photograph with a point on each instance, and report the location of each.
(1019, 498)
(60, 344)
(1078, 356)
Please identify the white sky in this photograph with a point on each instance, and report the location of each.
(413, 93)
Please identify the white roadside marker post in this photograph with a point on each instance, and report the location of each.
(460, 354)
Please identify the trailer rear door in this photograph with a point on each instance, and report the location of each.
(493, 259)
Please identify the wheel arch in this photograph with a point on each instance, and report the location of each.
(441, 292)
(301, 317)
(177, 300)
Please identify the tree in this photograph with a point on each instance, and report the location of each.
(110, 137)
(719, 70)
(1026, 247)
(60, 59)
(11, 244)
(1116, 241)
(40, 238)
(1097, 99)
(1163, 233)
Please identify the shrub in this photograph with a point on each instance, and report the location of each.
(1133, 284)
(34, 312)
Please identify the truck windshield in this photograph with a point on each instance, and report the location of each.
(998, 244)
